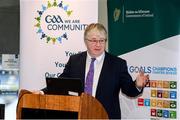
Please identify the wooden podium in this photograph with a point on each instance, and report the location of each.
(85, 105)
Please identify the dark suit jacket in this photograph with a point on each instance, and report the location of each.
(113, 77)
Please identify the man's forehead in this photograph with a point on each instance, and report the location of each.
(95, 33)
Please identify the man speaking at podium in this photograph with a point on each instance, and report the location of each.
(103, 74)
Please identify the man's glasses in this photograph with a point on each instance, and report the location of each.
(101, 41)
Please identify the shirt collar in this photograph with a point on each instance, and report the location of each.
(99, 58)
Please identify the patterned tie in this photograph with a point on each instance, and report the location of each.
(89, 78)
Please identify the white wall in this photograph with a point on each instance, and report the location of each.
(102, 14)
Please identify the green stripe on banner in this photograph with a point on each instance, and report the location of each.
(133, 24)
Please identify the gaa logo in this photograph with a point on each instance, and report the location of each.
(53, 22)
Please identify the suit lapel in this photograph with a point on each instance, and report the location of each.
(83, 67)
(102, 76)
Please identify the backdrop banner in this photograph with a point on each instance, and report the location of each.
(147, 35)
(51, 31)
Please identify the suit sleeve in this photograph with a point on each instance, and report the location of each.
(65, 73)
(127, 84)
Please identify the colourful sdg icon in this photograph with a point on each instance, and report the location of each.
(153, 102)
(146, 102)
(140, 102)
(165, 94)
(166, 84)
(159, 93)
(173, 84)
(165, 113)
(173, 94)
(173, 104)
(159, 113)
(153, 112)
(153, 83)
(159, 84)
(153, 93)
(160, 103)
(172, 114)
(166, 104)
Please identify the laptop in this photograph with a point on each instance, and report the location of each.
(64, 86)
(2, 111)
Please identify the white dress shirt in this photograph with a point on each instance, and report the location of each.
(97, 69)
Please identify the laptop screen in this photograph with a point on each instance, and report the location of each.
(64, 86)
